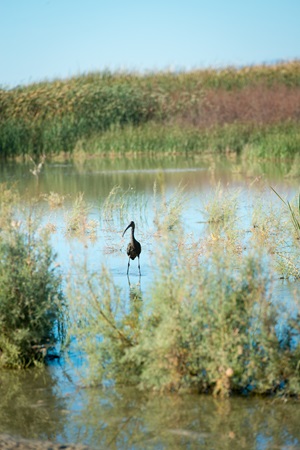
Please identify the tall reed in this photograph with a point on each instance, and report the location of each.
(50, 118)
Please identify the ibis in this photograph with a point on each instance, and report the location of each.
(134, 247)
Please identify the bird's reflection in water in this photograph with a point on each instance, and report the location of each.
(136, 286)
(135, 305)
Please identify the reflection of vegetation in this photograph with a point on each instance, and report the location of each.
(125, 419)
(29, 406)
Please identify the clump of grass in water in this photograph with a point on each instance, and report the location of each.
(168, 210)
(120, 205)
(268, 227)
(221, 207)
(115, 202)
(220, 213)
(288, 253)
(77, 220)
(294, 212)
(54, 199)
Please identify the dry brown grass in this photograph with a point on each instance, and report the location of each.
(253, 104)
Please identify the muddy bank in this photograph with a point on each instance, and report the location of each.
(10, 443)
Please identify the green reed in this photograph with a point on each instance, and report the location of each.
(278, 141)
(294, 212)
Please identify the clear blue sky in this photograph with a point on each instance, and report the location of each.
(46, 39)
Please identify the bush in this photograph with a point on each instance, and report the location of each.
(31, 299)
(208, 323)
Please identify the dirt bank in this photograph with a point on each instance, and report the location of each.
(10, 443)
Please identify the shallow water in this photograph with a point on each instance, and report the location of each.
(49, 403)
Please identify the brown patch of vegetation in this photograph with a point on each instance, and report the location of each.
(253, 104)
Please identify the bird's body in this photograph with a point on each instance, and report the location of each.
(134, 247)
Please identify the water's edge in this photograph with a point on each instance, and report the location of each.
(8, 442)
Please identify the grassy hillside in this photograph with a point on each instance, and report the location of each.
(254, 108)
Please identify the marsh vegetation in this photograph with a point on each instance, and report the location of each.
(250, 110)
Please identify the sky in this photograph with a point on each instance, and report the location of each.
(47, 39)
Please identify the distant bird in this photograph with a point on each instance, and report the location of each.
(37, 167)
(134, 247)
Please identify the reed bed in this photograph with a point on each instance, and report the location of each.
(191, 111)
(280, 141)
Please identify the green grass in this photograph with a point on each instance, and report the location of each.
(272, 141)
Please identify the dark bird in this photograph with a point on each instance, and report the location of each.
(134, 247)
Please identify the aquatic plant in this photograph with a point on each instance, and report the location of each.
(77, 223)
(221, 206)
(54, 199)
(294, 212)
(168, 208)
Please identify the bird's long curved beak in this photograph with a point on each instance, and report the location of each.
(126, 229)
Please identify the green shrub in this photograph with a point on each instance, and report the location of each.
(207, 323)
(31, 299)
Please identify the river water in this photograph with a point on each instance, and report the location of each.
(51, 403)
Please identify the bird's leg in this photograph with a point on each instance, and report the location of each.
(128, 265)
(139, 265)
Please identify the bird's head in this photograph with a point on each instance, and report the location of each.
(131, 225)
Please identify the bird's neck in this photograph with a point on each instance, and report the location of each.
(132, 234)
